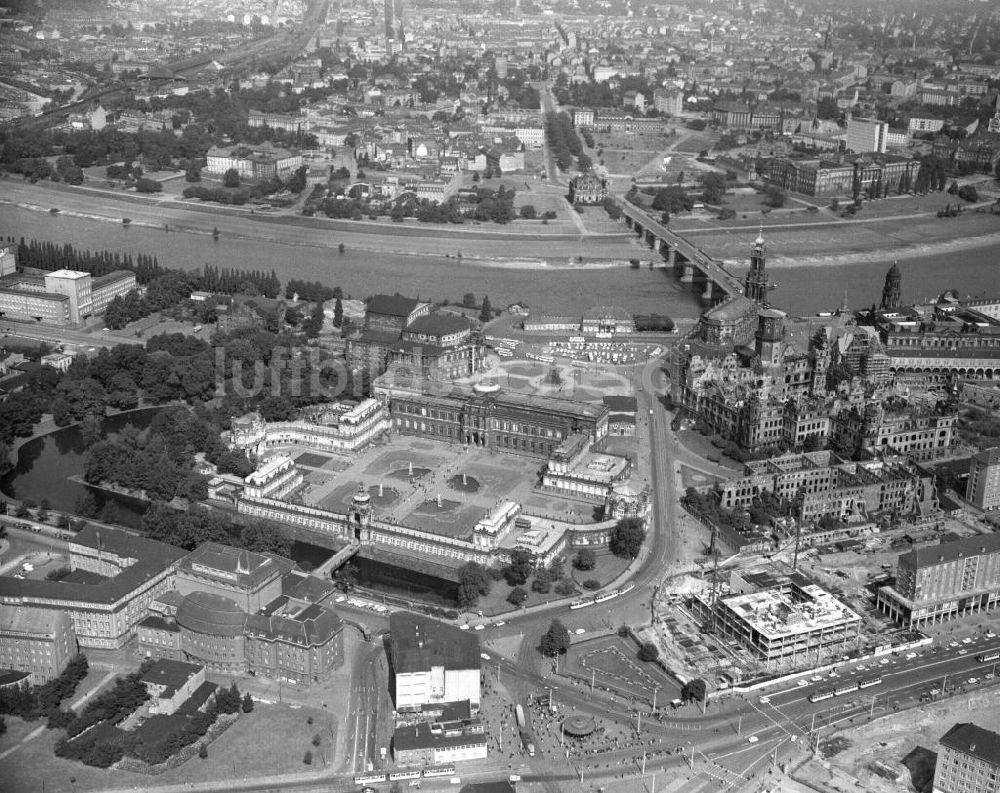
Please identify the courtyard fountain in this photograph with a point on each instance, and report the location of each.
(464, 483)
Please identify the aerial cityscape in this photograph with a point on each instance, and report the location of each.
(521, 396)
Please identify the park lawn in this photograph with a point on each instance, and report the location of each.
(697, 443)
(16, 730)
(608, 568)
(270, 740)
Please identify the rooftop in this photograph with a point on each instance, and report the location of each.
(419, 736)
(313, 626)
(438, 324)
(419, 643)
(172, 674)
(31, 621)
(774, 613)
(951, 551)
(973, 740)
(988, 456)
(146, 559)
(245, 570)
(393, 305)
(213, 615)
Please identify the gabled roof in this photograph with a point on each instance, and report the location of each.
(314, 626)
(438, 324)
(393, 305)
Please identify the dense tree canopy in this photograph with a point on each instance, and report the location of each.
(627, 537)
(555, 640)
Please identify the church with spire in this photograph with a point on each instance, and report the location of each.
(733, 322)
(755, 284)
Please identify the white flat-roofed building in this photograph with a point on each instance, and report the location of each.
(77, 286)
(492, 527)
(544, 540)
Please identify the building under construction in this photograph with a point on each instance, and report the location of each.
(777, 617)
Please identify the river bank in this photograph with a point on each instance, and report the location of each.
(378, 237)
(546, 276)
(905, 251)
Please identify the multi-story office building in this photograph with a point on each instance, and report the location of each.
(983, 489)
(77, 286)
(114, 577)
(866, 136)
(60, 297)
(968, 761)
(38, 641)
(939, 582)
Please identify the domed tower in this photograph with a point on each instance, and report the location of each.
(755, 284)
(361, 513)
(891, 292)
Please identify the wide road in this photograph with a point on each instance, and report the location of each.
(549, 105)
(54, 334)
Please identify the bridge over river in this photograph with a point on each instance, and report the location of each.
(719, 282)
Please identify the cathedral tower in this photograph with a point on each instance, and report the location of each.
(892, 289)
(755, 285)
